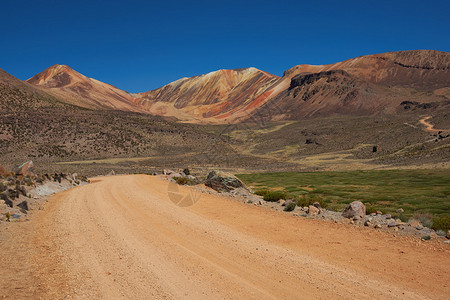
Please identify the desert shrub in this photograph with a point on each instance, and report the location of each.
(440, 232)
(441, 223)
(187, 171)
(403, 218)
(426, 219)
(274, 196)
(8, 216)
(183, 181)
(306, 200)
(370, 210)
(261, 192)
(290, 206)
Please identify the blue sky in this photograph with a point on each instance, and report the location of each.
(142, 45)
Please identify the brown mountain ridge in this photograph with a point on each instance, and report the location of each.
(365, 85)
(72, 87)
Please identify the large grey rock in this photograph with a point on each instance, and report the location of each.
(223, 182)
(392, 223)
(354, 209)
(25, 169)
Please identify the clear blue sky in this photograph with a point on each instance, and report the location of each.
(142, 45)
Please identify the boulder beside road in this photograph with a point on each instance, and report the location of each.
(354, 209)
(223, 182)
(25, 169)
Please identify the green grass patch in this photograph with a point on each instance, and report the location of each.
(416, 191)
(274, 196)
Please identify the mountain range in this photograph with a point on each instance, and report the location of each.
(318, 117)
(366, 85)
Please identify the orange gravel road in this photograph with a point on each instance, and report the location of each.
(122, 237)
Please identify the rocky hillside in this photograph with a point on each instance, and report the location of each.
(16, 95)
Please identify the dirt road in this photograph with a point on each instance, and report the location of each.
(429, 126)
(122, 237)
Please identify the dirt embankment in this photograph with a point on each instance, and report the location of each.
(122, 237)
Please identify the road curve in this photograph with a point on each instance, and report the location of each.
(430, 127)
(122, 237)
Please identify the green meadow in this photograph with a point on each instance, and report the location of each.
(415, 191)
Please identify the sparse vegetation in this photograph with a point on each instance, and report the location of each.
(273, 196)
(184, 181)
(370, 209)
(441, 223)
(426, 219)
(307, 200)
(261, 192)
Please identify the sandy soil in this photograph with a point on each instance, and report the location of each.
(122, 237)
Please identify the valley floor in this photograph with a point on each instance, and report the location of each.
(123, 237)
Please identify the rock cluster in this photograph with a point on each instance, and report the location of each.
(21, 189)
(184, 177)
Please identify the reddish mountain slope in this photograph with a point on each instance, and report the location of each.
(364, 85)
(75, 88)
(423, 69)
(221, 95)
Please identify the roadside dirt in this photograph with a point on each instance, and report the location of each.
(122, 237)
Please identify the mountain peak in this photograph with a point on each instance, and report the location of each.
(57, 76)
